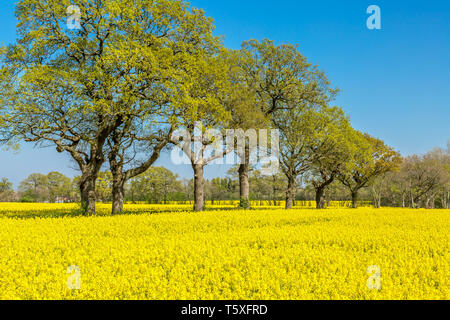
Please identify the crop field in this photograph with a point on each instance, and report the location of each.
(224, 254)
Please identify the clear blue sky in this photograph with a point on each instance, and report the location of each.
(395, 82)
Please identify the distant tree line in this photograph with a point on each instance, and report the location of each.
(53, 188)
(115, 91)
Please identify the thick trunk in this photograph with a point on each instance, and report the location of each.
(87, 181)
(320, 198)
(117, 195)
(118, 183)
(87, 192)
(120, 177)
(290, 193)
(354, 199)
(320, 189)
(244, 186)
(198, 188)
(91, 168)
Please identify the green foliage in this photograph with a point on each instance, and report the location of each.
(5, 185)
(221, 189)
(27, 199)
(370, 159)
(54, 187)
(282, 77)
(7, 193)
(263, 187)
(59, 186)
(156, 185)
(103, 186)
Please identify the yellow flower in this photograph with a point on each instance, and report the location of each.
(262, 254)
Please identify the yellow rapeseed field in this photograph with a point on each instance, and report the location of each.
(228, 254)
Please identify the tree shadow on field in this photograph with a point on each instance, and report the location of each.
(78, 212)
(42, 214)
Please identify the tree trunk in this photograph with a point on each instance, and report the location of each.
(445, 197)
(448, 200)
(198, 187)
(354, 199)
(290, 193)
(443, 201)
(320, 198)
(320, 189)
(87, 192)
(376, 198)
(427, 203)
(244, 185)
(118, 183)
(120, 177)
(117, 195)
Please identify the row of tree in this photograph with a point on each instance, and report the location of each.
(116, 90)
(420, 182)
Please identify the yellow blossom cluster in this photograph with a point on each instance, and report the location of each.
(228, 254)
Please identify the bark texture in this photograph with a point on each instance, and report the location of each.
(354, 199)
(198, 187)
(87, 192)
(290, 193)
(320, 197)
(244, 185)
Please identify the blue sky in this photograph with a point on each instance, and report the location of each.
(395, 82)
